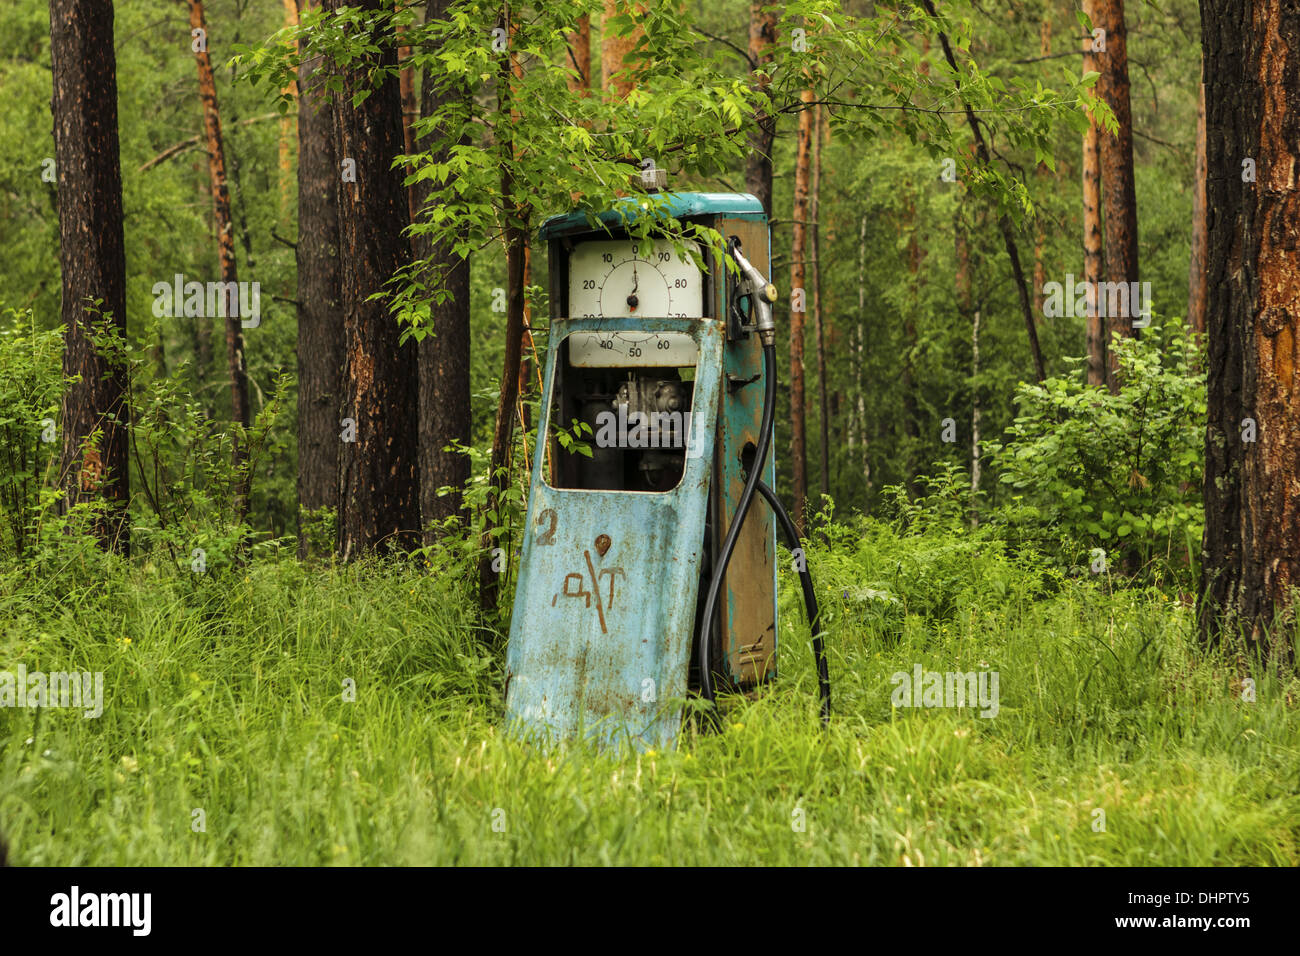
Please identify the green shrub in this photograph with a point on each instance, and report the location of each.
(31, 383)
(1122, 472)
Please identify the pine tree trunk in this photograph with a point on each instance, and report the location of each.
(202, 327)
(1251, 546)
(526, 347)
(320, 318)
(798, 310)
(1196, 267)
(860, 358)
(1118, 191)
(235, 360)
(762, 135)
(1040, 174)
(614, 49)
(965, 305)
(975, 460)
(580, 56)
(516, 231)
(92, 259)
(818, 325)
(445, 415)
(406, 84)
(1093, 261)
(286, 123)
(379, 497)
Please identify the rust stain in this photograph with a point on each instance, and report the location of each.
(602, 544)
(92, 469)
(363, 371)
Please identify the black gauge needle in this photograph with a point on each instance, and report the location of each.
(632, 299)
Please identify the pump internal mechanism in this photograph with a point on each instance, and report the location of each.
(638, 427)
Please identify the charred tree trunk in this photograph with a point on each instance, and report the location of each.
(1196, 266)
(92, 258)
(762, 136)
(445, 416)
(320, 319)
(379, 497)
(235, 362)
(1251, 546)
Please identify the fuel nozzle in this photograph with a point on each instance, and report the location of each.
(761, 292)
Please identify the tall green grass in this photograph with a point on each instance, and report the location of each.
(225, 693)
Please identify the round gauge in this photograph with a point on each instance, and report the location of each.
(609, 278)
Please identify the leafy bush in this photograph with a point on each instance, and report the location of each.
(31, 383)
(948, 504)
(1122, 472)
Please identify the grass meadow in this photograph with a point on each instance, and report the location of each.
(226, 738)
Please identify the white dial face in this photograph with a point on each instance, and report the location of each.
(608, 279)
(630, 349)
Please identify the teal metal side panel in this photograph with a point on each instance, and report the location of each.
(600, 643)
(677, 205)
(748, 630)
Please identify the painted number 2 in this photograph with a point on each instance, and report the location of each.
(548, 536)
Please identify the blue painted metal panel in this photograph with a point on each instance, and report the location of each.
(600, 644)
(677, 205)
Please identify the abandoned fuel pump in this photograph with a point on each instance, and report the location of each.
(641, 554)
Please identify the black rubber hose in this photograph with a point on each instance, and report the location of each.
(737, 522)
(809, 599)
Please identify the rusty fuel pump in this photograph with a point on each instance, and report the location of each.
(644, 573)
